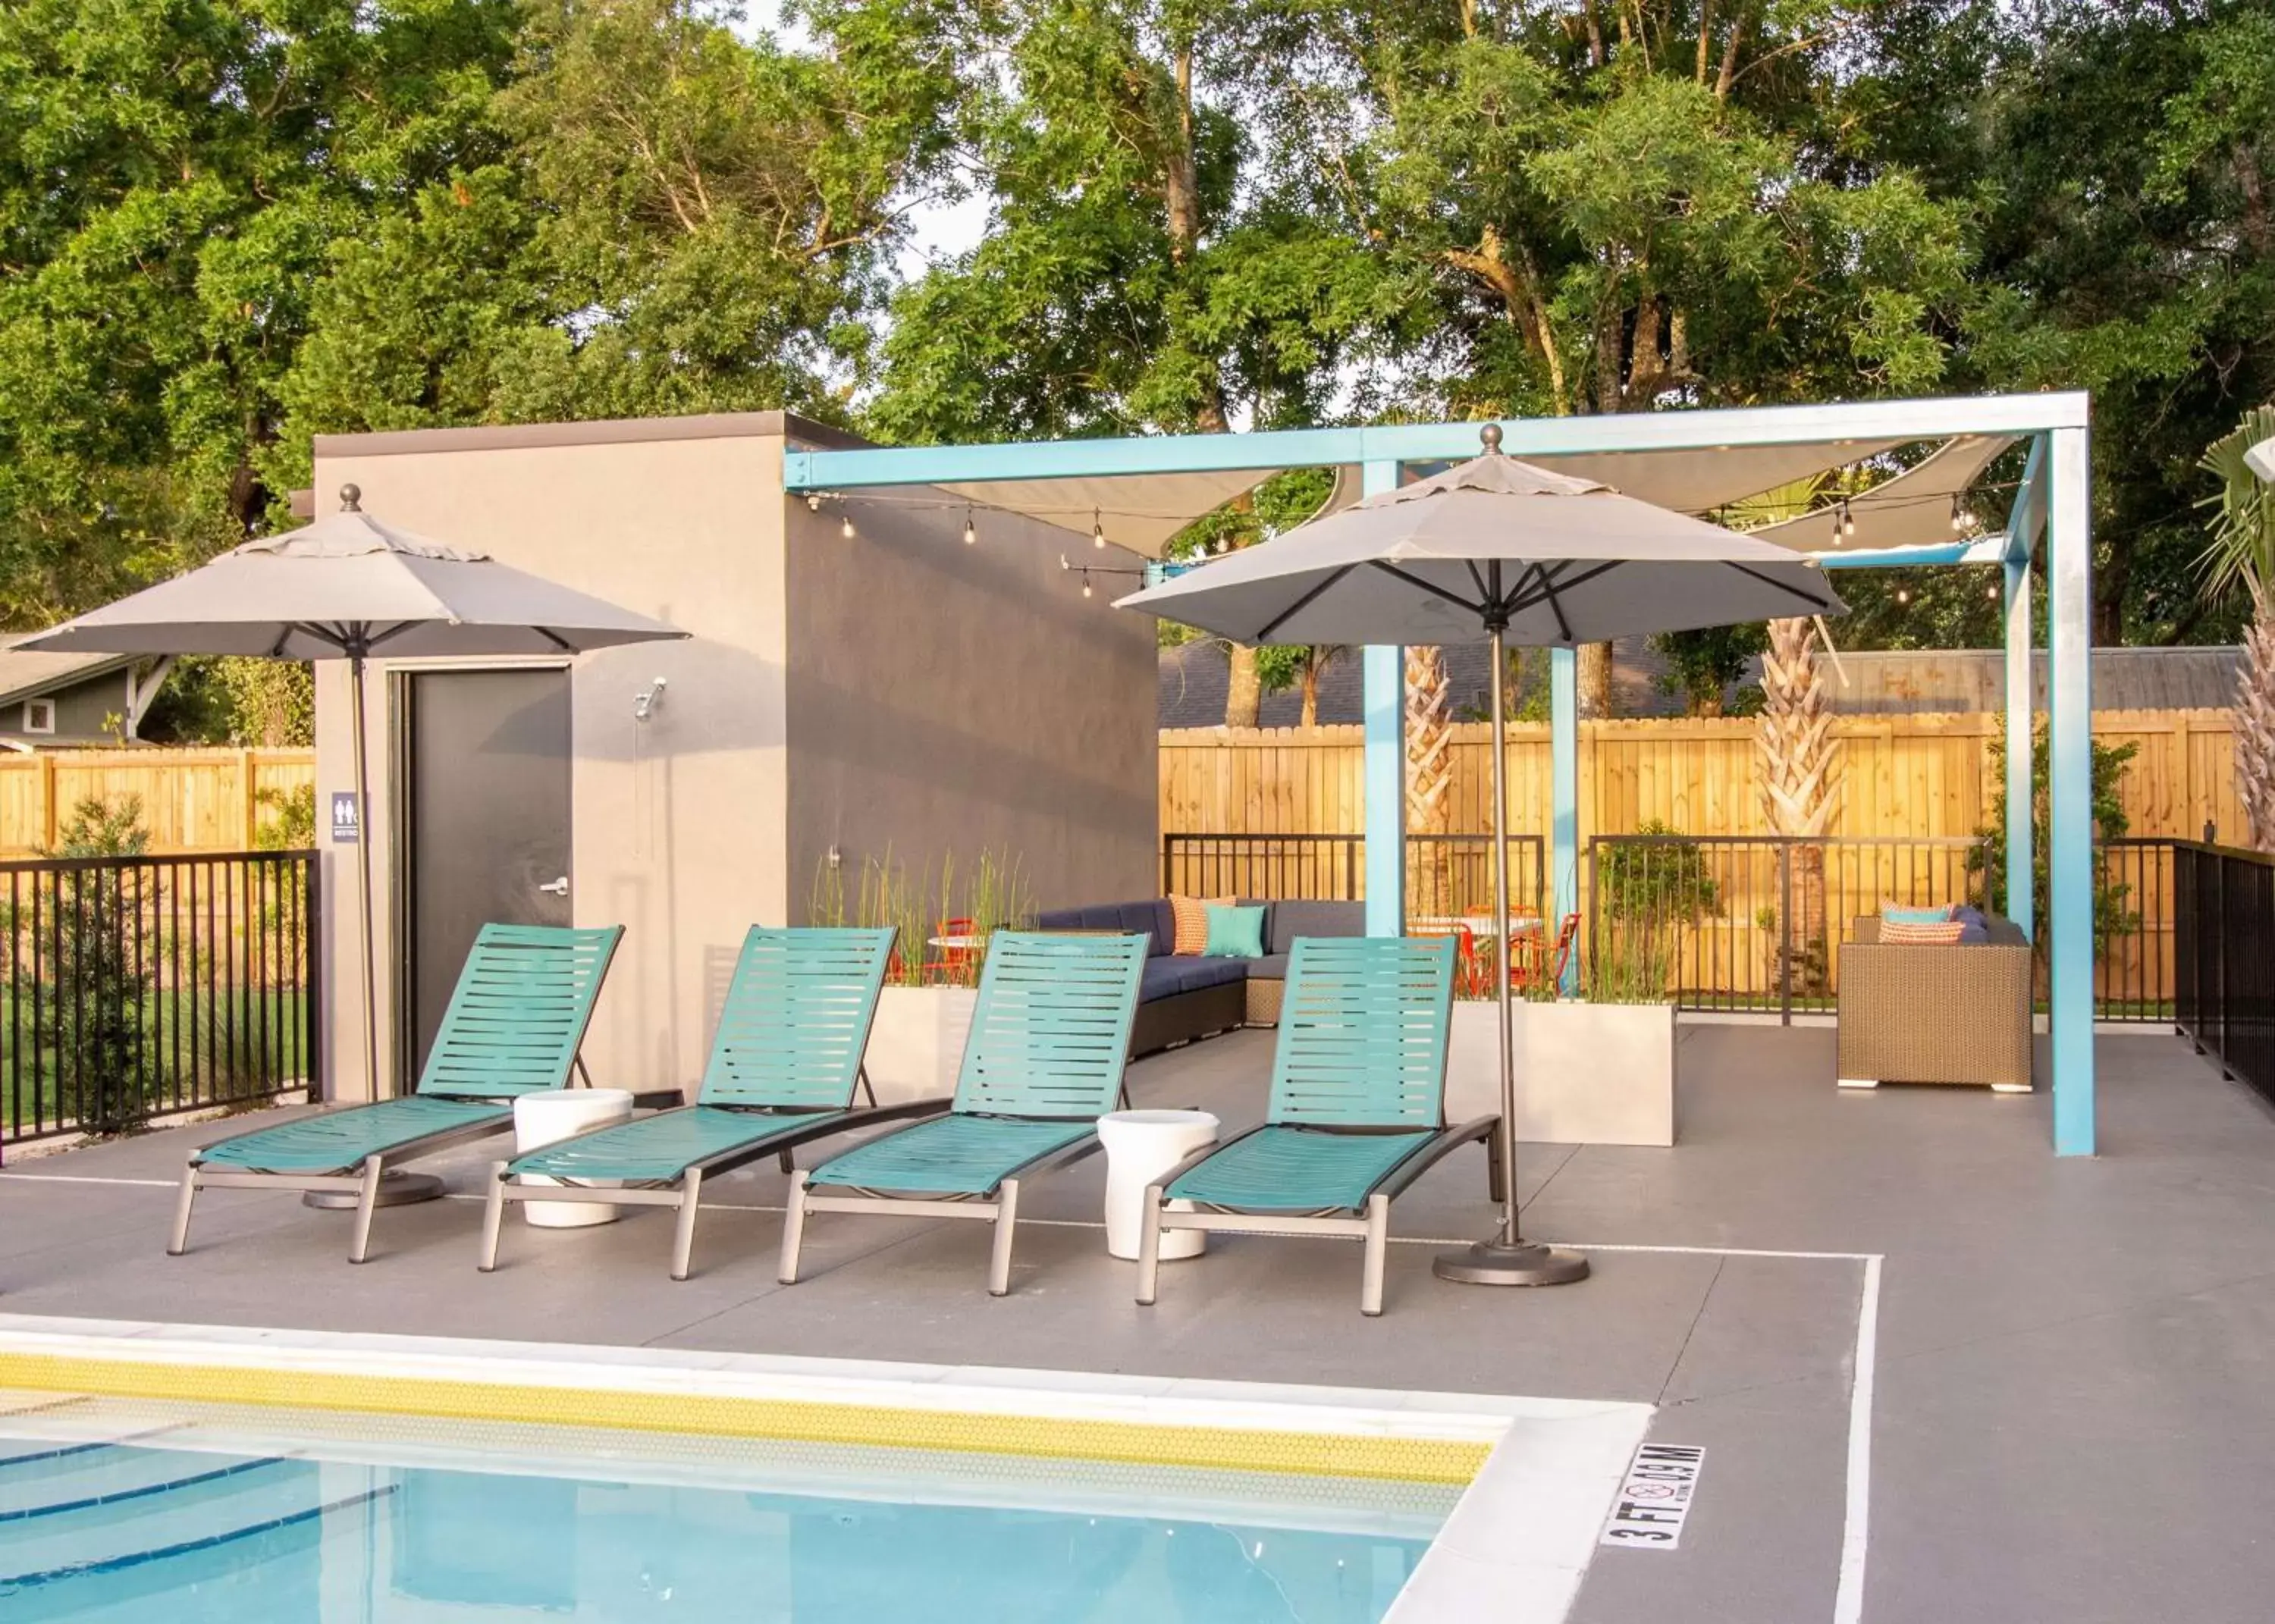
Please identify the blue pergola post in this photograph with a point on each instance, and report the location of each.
(1384, 671)
(2069, 880)
(1564, 791)
(2022, 522)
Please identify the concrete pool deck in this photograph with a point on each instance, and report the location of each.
(2072, 1383)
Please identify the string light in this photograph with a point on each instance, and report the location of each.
(813, 502)
(1085, 586)
(1903, 595)
(1848, 521)
(845, 526)
(1096, 529)
(1992, 593)
(971, 531)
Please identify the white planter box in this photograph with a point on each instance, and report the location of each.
(917, 1045)
(1586, 1074)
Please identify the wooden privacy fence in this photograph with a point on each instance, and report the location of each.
(1919, 776)
(192, 800)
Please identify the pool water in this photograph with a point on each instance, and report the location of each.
(123, 1525)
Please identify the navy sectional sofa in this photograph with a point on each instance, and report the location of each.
(1181, 998)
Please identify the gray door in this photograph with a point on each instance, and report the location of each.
(486, 823)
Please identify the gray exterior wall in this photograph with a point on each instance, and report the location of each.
(951, 699)
(80, 708)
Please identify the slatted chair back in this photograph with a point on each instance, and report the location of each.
(519, 1011)
(1050, 1033)
(1363, 1031)
(797, 1018)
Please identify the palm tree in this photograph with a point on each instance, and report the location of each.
(2242, 553)
(1429, 764)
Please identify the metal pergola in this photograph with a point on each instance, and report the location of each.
(2054, 495)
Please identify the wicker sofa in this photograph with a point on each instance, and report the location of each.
(1959, 1013)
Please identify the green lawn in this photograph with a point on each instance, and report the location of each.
(196, 1050)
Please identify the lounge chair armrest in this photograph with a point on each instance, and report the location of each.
(1428, 1157)
(659, 1099)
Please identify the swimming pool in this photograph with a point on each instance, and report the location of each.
(117, 1510)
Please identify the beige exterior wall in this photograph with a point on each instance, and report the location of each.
(678, 826)
(946, 699)
(900, 690)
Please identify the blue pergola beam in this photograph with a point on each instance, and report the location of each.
(2023, 521)
(1320, 447)
(2069, 876)
(1383, 669)
(1564, 791)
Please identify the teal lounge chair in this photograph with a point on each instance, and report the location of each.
(515, 1021)
(1358, 1111)
(783, 1072)
(1050, 1035)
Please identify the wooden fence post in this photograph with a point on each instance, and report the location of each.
(47, 801)
(252, 786)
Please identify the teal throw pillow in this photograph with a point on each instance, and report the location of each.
(1235, 933)
(1890, 914)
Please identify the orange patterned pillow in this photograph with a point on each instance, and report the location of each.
(1191, 914)
(1895, 933)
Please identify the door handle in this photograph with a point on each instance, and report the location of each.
(555, 888)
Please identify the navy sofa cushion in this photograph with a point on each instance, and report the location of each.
(1270, 967)
(1290, 920)
(1168, 975)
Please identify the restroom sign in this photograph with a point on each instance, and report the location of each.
(347, 821)
(1655, 1500)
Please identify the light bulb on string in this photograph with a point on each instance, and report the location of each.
(1957, 517)
(971, 531)
(846, 527)
(1992, 593)
(1848, 521)
(1085, 586)
(1096, 529)
(1903, 595)
(1063, 563)
(813, 502)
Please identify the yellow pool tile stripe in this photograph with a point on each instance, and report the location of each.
(1414, 1460)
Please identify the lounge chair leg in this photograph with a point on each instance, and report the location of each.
(793, 1230)
(1149, 1245)
(683, 1239)
(1378, 1243)
(180, 1243)
(1496, 1174)
(366, 1203)
(999, 1256)
(492, 1218)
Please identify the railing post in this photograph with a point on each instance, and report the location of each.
(312, 938)
(1785, 933)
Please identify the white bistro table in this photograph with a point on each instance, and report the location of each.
(547, 1116)
(1140, 1147)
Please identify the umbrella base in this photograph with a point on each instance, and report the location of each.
(396, 1188)
(1492, 1263)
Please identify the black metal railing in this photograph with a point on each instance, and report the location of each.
(1447, 876)
(1751, 922)
(135, 986)
(2135, 936)
(2223, 958)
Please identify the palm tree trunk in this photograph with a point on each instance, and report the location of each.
(2254, 723)
(1429, 772)
(1797, 757)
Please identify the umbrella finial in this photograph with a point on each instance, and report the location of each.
(1491, 435)
(350, 496)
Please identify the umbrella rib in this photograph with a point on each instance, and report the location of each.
(1549, 592)
(559, 642)
(1431, 587)
(1555, 606)
(1810, 599)
(1301, 604)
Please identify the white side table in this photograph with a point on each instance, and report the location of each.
(1140, 1147)
(554, 1114)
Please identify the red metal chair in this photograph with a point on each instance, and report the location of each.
(957, 966)
(1471, 978)
(1532, 964)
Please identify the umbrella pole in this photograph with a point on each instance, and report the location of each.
(1507, 1260)
(396, 1188)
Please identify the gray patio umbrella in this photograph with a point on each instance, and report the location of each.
(1493, 550)
(349, 586)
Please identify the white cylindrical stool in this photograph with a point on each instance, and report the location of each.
(554, 1114)
(1140, 1147)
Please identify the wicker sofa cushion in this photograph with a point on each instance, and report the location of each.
(1904, 933)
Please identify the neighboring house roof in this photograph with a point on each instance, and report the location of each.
(27, 675)
(1898, 682)
(1193, 679)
